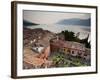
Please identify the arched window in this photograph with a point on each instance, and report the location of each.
(68, 50)
(72, 52)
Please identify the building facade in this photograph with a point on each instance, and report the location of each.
(69, 47)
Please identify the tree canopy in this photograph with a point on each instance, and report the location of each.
(70, 36)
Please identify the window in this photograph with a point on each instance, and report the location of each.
(68, 51)
(72, 52)
(85, 54)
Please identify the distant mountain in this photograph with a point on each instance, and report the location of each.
(27, 23)
(76, 21)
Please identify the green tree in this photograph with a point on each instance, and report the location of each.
(70, 36)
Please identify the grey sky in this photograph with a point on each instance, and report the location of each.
(44, 17)
(49, 20)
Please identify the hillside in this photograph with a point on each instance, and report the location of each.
(38, 34)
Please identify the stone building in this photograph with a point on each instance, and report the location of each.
(69, 47)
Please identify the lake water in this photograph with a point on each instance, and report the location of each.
(84, 30)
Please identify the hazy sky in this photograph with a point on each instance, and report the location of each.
(59, 21)
(44, 17)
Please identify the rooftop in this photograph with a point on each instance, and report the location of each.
(68, 44)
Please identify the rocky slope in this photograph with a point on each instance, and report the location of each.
(36, 35)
